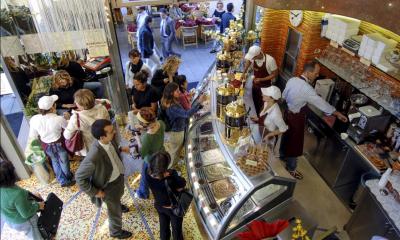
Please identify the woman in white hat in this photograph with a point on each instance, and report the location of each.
(47, 126)
(265, 71)
(271, 115)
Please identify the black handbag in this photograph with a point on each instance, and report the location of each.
(50, 216)
(180, 201)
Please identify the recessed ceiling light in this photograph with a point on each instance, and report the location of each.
(323, 7)
(390, 4)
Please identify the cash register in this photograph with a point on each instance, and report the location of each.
(366, 121)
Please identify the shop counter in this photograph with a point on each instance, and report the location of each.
(226, 198)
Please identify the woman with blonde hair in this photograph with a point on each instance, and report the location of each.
(166, 74)
(64, 87)
(75, 70)
(87, 112)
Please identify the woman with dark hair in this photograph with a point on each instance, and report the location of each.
(150, 142)
(147, 46)
(156, 174)
(16, 208)
(20, 78)
(185, 98)
(143, 94)
(178, 119)
(48, 127)
(133, 66)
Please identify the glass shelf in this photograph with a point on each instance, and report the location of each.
(357, 83)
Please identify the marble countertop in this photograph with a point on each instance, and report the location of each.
(388, 203)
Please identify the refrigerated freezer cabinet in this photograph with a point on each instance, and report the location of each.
(226, 205)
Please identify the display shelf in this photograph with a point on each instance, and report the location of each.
(225, 198)
(358, 85)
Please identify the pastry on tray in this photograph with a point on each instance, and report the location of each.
(223, 188)
(255, 162)
(217, 171)
(212, 156)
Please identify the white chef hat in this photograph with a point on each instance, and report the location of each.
(253, 52)
(272, 91)
(46, 102)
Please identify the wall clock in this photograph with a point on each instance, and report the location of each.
(295, 17)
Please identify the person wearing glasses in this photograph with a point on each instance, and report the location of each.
(150, 142)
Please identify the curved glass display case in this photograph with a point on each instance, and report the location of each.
(225, 197)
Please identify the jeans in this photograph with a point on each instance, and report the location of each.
(156, 64)
(143, 191)
(29, 228)
(167, 218)
(173, 145)
(167, 47)
(96, 87)
(291, 163)
(60, 162)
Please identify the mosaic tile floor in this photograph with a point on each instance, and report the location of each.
(79, 214)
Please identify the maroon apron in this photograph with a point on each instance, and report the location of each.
(292, 141)
(259, 72)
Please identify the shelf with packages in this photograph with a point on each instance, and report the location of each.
(225, 196)
(392, 105)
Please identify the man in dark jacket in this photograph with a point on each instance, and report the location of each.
(167, 34)
(100, 176)
(147, 45)
(227, 17)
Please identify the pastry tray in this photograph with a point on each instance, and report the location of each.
(212, 156)
(217, 171)
(223, 189)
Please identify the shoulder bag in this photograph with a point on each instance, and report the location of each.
(75, 144)
(180, 202)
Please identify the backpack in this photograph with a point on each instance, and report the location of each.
(162, 115)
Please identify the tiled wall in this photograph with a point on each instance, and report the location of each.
(275, 31)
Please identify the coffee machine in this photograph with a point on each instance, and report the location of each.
(367, 121)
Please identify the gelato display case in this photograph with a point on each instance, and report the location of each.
(227, 195)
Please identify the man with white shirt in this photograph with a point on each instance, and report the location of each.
(100, 175)
(140, 21)
(265, 72)
(167, 34)
(298, 93)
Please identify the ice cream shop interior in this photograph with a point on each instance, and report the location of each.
(169, 119)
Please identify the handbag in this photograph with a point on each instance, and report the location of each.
(75, 144)
(182, 200)
(49, 218)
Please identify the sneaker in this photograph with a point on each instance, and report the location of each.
(124, 208)
(296, 174)
(213, 51)
(122, 235)
(68, 184)
(137, 195)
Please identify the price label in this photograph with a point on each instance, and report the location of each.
(251, 163)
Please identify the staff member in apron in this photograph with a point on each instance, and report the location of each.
(271, 115)
(298, 92)
(265, 71)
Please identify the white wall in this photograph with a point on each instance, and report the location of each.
(237, 4)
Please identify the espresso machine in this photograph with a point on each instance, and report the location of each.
(367, 120)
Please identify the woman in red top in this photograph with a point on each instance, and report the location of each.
(185, 99)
